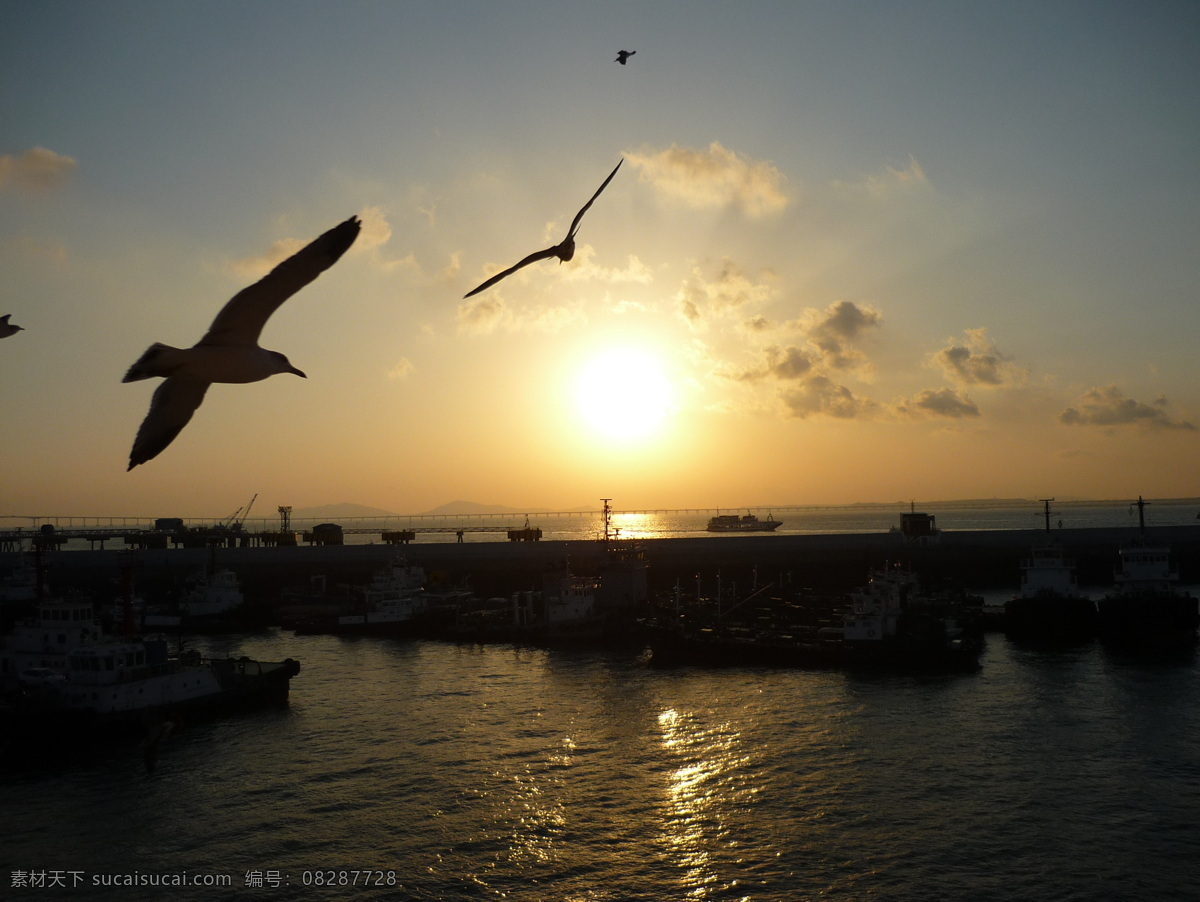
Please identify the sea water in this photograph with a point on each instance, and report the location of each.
(431, 770)
(847, 519)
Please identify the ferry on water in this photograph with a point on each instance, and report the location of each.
(747, 523)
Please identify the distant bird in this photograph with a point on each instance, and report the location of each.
(229, 351)
(156, 734)
(623, 55)
(6, 328)
(565, 250)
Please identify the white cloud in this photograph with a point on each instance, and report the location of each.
(37, 170)
(821, 395)
(481, 314)
(1108, 406)
(700, 298)
(976, 361)
(254, 268)
(944, 402)
(375, 234)
(402, 369)
(488, 313)
(376, 230)
(712, 178)
(832, 330)
(889, 183)
(582, 267)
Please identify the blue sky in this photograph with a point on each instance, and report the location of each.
(874, 251)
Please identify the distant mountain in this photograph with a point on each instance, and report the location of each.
(456, 508)
(334, 511)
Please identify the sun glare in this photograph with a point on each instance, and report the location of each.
(623, 395)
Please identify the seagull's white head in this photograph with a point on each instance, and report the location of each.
(283, 365)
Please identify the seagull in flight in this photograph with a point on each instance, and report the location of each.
(229, 351)
(564, 250)
(7, 328)
(623, 55)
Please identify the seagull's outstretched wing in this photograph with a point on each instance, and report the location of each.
(241, 320)
(532, 258)
(172, 406)
(562, 250)
(578, 216)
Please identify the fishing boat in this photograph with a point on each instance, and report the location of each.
(1146, 609)
(889, 624)
(1049, 608)
(212, 601)
(892, 623)
(747, 523)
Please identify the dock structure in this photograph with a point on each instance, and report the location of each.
(48, 537)
(976, 558)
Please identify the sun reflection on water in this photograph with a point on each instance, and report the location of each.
(711, 780)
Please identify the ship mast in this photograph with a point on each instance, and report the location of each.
(1046, 511)
(1141, 506)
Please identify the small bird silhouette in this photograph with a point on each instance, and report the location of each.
(623, 55)
(7, 328)
(229, 351)
(156, 733)
(564, 250)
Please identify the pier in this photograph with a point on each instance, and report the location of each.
(978, 559)
(49, 536)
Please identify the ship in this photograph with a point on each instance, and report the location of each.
(393, 603)
(1049, 608)
(893, 623)
(564, 612)
(888, 624)
(1146, 609)
(211, 602)
(747, 523)
(117, 682)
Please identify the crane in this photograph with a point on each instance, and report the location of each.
(233, 522)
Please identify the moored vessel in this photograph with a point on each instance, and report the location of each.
(115, 682)
(887, 624)
(1049, 608)
(1146, 609)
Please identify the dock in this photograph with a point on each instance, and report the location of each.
(976, 558)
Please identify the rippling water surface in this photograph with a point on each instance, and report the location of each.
(494, 772)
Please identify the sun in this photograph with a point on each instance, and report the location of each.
(622, 394)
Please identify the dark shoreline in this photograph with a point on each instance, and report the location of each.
(977, 559)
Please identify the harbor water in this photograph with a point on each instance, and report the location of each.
(421, 770)
(588, 525)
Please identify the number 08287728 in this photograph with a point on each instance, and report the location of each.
(333, 877)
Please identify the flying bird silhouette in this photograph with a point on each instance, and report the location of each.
(7, 328)
(623, 55)
(564, 250)
(156, 734)
(229, 351)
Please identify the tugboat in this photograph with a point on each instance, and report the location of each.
(1050, 609)
(392, 604)
(893, 624)
(1146, 609)
(747, 523)
(118, 682)
(212, 602)
(889, 625)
